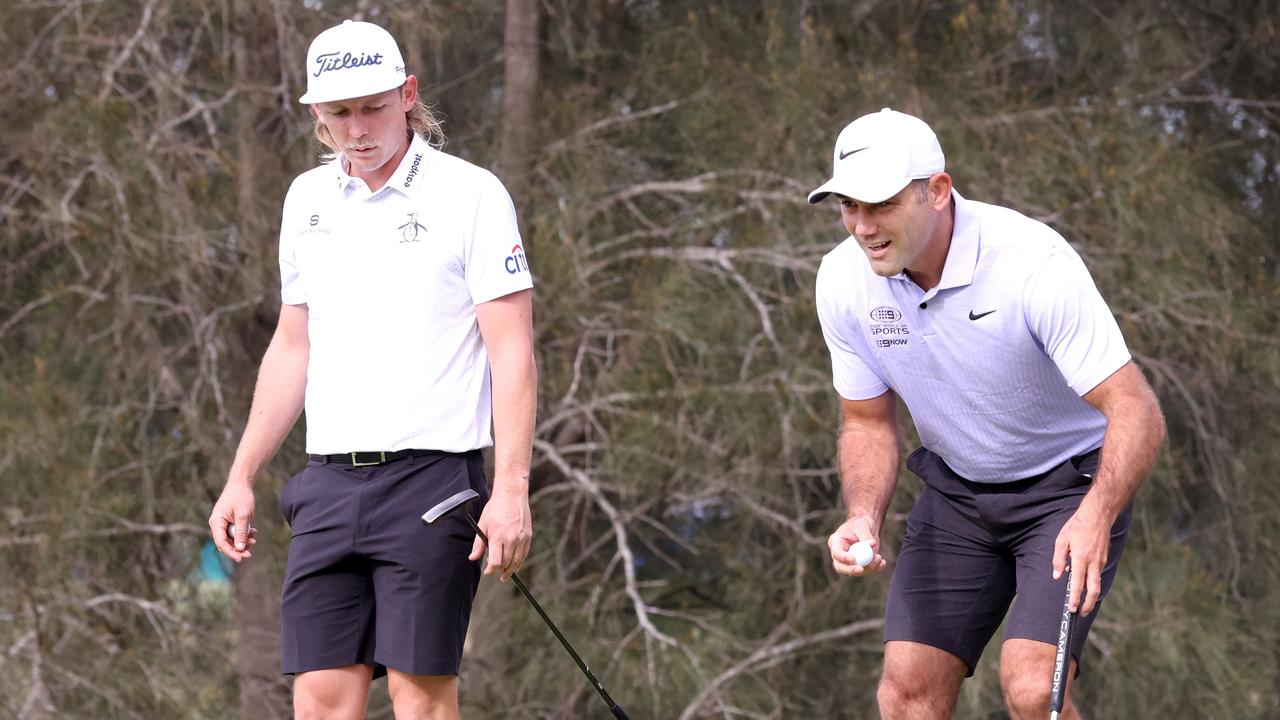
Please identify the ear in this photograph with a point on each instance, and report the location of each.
(409, 93)
(314, 113)
(939, 190)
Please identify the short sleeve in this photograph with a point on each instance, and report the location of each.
(292, 288)
(1073, 324)
(496, 263)
(853, 378)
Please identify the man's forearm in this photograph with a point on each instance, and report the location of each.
(515, 397)
(868, 470)
(277, 403)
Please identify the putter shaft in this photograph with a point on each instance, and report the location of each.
(604, 695)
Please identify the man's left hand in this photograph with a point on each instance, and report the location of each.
(1085, 539)
(508, 524)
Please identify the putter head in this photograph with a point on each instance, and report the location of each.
(446, 506)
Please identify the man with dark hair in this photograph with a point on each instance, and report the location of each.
(1036, 426)
(406, 332)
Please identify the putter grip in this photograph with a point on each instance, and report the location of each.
(618, 713)
(1062, 659)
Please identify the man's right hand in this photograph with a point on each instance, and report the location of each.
(851, 531)
(234, 508)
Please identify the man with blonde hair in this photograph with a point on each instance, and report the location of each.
(405, 332)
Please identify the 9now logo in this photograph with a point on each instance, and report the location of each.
(516, 262)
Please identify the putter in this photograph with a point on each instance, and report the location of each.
(1062, 661)
(460, 499)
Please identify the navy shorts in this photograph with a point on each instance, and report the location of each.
(367, 581)
(972, 548)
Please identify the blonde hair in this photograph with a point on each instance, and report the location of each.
(419, 117)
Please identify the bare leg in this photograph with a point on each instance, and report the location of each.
(423, 697)
(332, 694)
(920, 682)
(1026, 670)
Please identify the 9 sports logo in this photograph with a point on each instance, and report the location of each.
(886, 314)
(888, 330)
(516, 262)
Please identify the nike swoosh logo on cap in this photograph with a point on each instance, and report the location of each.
(844, 155)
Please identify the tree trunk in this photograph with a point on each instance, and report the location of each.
(258, 166)
(521, 83)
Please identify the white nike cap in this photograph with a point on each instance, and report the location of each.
(878, 154)
(352, 60)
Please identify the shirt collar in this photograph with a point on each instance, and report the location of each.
(962, 256)
(405, 180)
(410, 175)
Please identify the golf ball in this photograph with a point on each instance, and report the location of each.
(862, 553)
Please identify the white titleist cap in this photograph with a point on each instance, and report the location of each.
(878, 154)
(352, 60)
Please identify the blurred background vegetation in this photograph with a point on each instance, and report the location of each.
(659, 152)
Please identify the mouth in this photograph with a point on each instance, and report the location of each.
(877, 249)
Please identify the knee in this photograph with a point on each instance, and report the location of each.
(904, 694)
(311, 706)
(1026, 694)
(424, 697)
(418, 707)
(328, 694)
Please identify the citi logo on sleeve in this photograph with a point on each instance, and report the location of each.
(516, 262)
(342, 61)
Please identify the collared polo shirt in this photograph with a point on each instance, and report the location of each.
(391, 280)
(992, 363)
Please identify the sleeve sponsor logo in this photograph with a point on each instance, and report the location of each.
(516, 262)
(342, 61)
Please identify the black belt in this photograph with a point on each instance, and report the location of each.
(375, 457)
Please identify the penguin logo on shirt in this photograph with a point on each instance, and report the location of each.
(409, 230)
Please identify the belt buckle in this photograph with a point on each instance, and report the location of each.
(382, 457)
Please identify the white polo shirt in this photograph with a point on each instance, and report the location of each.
(991, 363)
(391, 281)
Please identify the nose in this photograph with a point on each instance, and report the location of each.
(859, 221)
(357, 128)
(864, 226)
